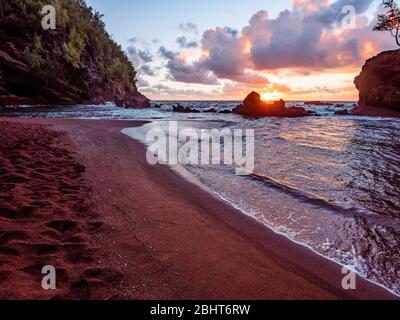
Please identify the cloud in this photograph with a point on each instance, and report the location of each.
(189, 27)
(139, 57)
(225, 53)
(145, 56)
(226, 56)
(141, 83)
(165, 53)
(185, 44)
(283, 88)
(189, 73)
(133, 40)
(180, 70)
(323, 89)
(235, 89)
(147, 70)
(310, 36)
(162, 90)
(333, 13)
(305, 40)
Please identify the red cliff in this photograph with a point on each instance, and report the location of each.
(379, 86)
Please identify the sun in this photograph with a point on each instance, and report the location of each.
(271, 96)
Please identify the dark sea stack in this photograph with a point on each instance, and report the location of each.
(226, 111)
(76, 63)
(253, 106)
(344, 112)
(317, 103)
(212, 110)
(379, 86)
(181, 109)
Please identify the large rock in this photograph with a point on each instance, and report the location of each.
(133, 101)
(379, 86)
(318, 103)
(181, 109)
(253, 106)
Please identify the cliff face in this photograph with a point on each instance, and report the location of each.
(73, 64)
(379, 86)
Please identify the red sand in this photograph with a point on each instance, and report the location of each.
(162, 238)
(44, 215)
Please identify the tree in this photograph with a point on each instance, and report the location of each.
(390, 21)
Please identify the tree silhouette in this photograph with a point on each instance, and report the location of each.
(390, 21)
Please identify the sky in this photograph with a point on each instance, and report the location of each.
(222, 50)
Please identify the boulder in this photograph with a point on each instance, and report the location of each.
(253, 106)
(181, 109)
(344, 112)
(379, 86)
(317, 103)
(133, 101)
(225, 111)
(212, 110)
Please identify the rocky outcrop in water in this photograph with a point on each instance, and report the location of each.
(318, 103)
(181, 109)
(343, 112)
(379, 86)
(76, 63)
(253, 106)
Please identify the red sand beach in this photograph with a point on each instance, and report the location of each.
(79, 195)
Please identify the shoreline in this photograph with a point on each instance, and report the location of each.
(239, 258)
(138, 134)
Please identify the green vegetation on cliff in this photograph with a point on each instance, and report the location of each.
(75, 63)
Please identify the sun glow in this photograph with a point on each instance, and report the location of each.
(271, 96)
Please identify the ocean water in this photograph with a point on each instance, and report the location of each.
(328, 182)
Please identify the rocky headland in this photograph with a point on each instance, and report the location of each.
(379, 86)
(75, 63)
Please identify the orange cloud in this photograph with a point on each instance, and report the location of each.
(307, 40)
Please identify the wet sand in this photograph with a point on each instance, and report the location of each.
(116, 227)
